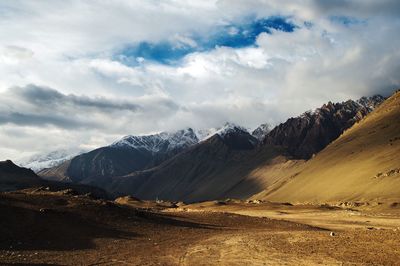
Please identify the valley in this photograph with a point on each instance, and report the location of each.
(229, 199)
(200, 133)
(54, 228)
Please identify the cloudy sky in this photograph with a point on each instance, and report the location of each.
(81, 74)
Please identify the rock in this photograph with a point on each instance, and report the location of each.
(218, 202)
(68, 191)
(309, 133)
(180, 204)
(378, 175)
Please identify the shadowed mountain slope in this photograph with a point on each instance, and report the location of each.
(13, 177)
(208, 170)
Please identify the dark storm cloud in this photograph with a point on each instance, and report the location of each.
(41, 106)
(46, 96)
(39, 120)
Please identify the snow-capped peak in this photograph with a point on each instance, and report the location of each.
(164, 141)
(261, 131)
(205, 134)
(229, 128)
(168, 141)
(38, 162)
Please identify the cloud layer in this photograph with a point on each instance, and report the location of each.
(84, 73)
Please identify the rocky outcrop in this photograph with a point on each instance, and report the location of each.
(309, 133)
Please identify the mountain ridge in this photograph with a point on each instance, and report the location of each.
(305, 135)
(361, 165)
(231, 157)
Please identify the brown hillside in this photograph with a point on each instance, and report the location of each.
(363, 164)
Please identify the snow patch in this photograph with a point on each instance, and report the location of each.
(164, 141)
(38, 162)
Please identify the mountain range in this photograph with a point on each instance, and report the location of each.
(191, 165)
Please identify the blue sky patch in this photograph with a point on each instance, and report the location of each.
(347, 21)
(231, 35)
(164, 52)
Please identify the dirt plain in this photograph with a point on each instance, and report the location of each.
(59, 228)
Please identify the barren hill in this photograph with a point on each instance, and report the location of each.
(13, 177)
(363, 164)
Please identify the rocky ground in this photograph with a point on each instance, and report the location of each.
(58, 228)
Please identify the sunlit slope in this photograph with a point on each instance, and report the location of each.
(362, 164)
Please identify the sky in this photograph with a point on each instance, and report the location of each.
(82, 74)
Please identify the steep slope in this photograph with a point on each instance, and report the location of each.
(363, 164)
(305, 135)
(132, 153)
(208, 170)
(56, 173)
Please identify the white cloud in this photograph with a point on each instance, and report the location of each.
(70, 46)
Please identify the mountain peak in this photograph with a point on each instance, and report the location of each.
(261, 131)
(7, 163)
(164, 141)
(54, 158)
(371, 102)
(230, 128)
(9, 170)
(310, 132)
(236, 137)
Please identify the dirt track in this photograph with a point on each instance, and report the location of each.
(66, 230)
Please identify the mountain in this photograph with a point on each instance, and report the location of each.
(305, 135)
(13, 177)
(363, 164)
(208, 170)
(38, 162)
(261, 131)
(165, 142)
(212, 164)
(183, 154)
(236, 137)
(371, 102)
(231, 164)
(131, 153)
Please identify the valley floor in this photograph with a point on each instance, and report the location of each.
(57, 228)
